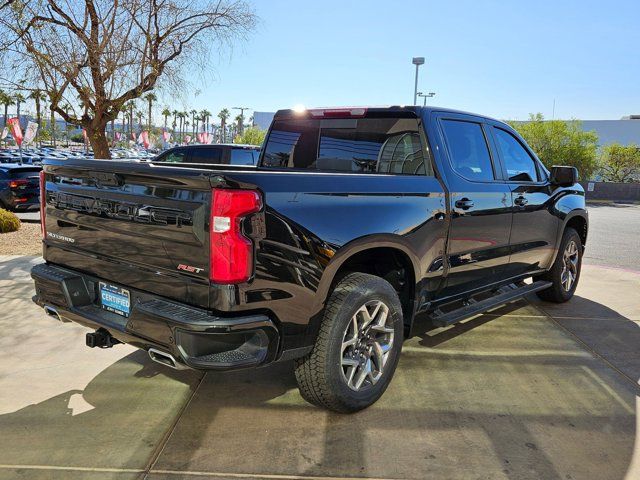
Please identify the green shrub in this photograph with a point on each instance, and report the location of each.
(8, 222)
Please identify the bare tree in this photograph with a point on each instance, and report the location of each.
(106, 53)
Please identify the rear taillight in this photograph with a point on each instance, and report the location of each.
(231, 252)
(43, 203)
(18, 183)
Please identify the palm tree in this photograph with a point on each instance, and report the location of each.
(140, 116)
(150, 97)
(175, 116)
(38, 96)
(205, 114)
(5, 101)
(240, 123)
(131, 105)
(181, 116)
(166, 113)
(223, 116)
(194, 120)
(18, 98)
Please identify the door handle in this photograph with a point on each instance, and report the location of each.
(521, 201)
(464, 204)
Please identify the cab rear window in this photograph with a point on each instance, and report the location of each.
(364, 145)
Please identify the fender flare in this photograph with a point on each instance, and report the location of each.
(576, 212)
(350, 249)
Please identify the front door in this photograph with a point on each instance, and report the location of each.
(534, 228)
(478, 244)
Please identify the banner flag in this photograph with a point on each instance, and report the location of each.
(84, 135)
(187, 139)
(30, 133)
(118, 136)
(166, 136)
(16, 131)
(145, 139)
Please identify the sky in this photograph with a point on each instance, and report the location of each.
(505, 59)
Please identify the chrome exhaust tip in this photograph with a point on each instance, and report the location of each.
(52, 312)
(164, 358)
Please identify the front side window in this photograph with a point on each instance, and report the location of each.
(519, 164)
(366, 145)
(468, 150)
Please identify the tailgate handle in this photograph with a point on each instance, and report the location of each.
(106, 179)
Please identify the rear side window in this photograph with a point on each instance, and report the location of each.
(243, 156)
(366, 145)
(175, 156)
(468, 150)
(206, 155)
(520, 165)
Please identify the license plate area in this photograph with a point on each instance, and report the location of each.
(115, 299)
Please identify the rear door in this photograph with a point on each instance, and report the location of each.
(480, 203)
(534, 227)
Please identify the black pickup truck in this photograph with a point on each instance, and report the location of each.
(354, 222)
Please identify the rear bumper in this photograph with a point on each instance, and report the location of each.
(194, 337)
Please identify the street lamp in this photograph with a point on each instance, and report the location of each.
(425, 96)
(417, 61)
(241, 122)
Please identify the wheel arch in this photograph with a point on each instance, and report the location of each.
(385, 256)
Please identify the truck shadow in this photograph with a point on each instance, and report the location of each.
(449, 413)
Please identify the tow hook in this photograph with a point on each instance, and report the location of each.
(101, 338)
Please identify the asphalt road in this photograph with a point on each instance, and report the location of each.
(614, 236)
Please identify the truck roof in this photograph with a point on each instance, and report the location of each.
(390, 110)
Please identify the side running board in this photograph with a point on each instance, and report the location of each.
(504, 295)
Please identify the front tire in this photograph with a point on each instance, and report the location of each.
(358, 346)
(565, 272)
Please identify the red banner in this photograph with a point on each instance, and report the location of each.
(145, 139)
(166, 136)
(16, 131)
(187, 139)
(84, 135)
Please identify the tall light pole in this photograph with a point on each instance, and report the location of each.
(425, 96)
(417, 61)
(241, 123)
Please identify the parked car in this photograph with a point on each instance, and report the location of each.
(355, 221)
(19, 187)
(217, 154)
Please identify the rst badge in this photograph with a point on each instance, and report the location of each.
(189, 268)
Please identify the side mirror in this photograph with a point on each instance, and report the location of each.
(564, 176)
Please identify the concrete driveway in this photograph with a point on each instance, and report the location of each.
(532, 390)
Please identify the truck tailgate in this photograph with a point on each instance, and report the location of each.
(131, 223)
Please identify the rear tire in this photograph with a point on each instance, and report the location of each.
(565, 272)
(358, 346)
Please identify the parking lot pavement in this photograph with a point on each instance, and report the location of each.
(527, 391)
(66, 406)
